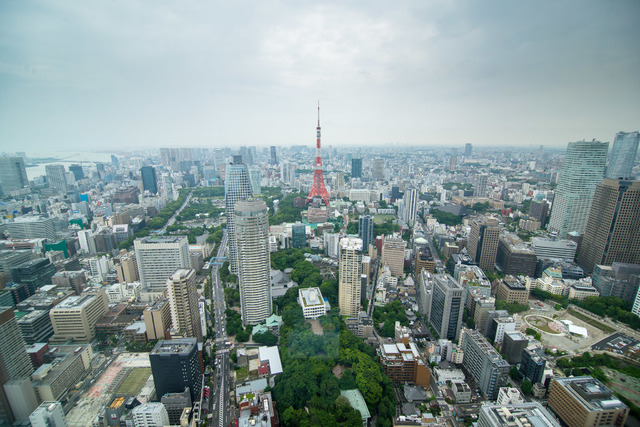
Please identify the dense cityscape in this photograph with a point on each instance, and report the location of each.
(318, 286)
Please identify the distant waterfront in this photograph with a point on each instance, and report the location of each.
(65, 158)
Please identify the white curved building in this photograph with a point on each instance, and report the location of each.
(252, 245)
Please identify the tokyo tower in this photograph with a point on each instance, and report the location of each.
(318, 189)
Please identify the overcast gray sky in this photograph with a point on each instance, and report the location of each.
(134, 74)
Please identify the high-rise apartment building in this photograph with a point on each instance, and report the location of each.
(75, 318)
(480, 186)
(613, 228)
(149, 179)
(583, 168)
(447, 306)
(13, 175)
(393, 255)
(350, 270)
(483, 241)
(183, 301)
(175, 365)
(585, 401)
(57, 178)
(623, 154)
(158, 257)
(378, 169)
(356, 168)
(484, 363)
(365, 231)
(15, 364)
(252, 244)
(410, 205)
(237, 186)
(127, 269)
(48, 414)
(157, 319)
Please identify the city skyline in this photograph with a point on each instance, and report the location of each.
(435, 74)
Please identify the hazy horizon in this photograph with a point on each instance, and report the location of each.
(137, 75)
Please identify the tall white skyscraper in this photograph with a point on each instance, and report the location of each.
(410, 205)
(183, 302)
(623, 154)
(57, 178)
(583, 168)
(237, 186)
(252, 243)
(350, 269)
(159, 257)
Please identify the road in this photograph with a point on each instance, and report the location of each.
(173, 217)
(221, 399)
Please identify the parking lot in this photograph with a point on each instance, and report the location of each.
(617, 343)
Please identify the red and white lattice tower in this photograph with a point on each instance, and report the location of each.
(318, 189)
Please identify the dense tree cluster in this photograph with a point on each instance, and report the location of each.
(544, 295)
(201, 207)
(596, 361)
(308, 393)
(265, 338)
(511, 307)
(446, 218)
(388, 315)
(208, 192)
(614, 307)
(287, 258)
(286, 211)
(530, 331)
(385, 228)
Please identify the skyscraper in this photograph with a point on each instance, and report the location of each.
(13, 175)
(77, 172)
(623, 154)
(378, 169)
(483, 241)
(365, 231)
(57, 178)
(480, 187)
(468, 149)
(356, 168)
(183, 302)
(175, 365)
(393, 255)
(149, 180)
(252, 243)
(274, 156)
(14, 361)
(237, 186)
(410, 205)
(613, 228)
(158, 257)
(350, 270)
(583, 168)
(447, 305)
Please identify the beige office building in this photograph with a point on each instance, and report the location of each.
(183, 302)
(585, 401)
(76, 317)
(350, 268)
(127, 269)
(393, 255)
(157, 319)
